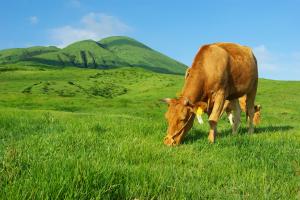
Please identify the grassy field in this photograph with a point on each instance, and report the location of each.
(76, 133)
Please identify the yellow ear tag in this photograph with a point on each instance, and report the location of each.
(199, 112)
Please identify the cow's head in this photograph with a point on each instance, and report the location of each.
(180, 117)
(256, 119)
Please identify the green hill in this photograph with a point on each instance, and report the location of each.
(20, 54)
(111, 52)
(138, 54)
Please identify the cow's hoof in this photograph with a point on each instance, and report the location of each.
(211, 137)
(251, 131)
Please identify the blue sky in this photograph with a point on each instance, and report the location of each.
(175, 28)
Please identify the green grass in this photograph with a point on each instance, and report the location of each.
(98, 134)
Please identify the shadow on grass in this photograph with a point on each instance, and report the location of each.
(194, 136)
(264, 129)
(199, 134)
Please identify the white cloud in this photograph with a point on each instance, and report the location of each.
(33, 19)
(266, 60)
(91, 26)
(262, 53)
(283, 66)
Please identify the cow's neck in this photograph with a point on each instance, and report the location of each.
(193, 89)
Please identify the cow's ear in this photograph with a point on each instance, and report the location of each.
(257, 107)
(166, 100)
(187, 73)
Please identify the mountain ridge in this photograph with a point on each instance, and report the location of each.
(110, 52)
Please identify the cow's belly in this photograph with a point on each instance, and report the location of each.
(241, 81)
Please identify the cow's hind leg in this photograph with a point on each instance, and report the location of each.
(250, 111)
(215, 114)
(236, 115)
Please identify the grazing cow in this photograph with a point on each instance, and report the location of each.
(233, 110)
(220, 72)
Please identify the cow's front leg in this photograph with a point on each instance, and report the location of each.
(212, 131)
(215, 115)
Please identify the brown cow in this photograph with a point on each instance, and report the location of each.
(220, 71)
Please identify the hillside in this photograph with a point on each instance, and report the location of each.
(21, 54)
(112, 52)
(73, 133)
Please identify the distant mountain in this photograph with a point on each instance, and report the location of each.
(111, 52)
(21, 54)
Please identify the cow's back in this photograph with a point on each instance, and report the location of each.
(242, 69)
(227, 66)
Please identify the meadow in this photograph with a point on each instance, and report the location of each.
(72, 133)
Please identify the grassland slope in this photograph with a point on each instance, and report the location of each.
(111, 52)
(73, 133)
